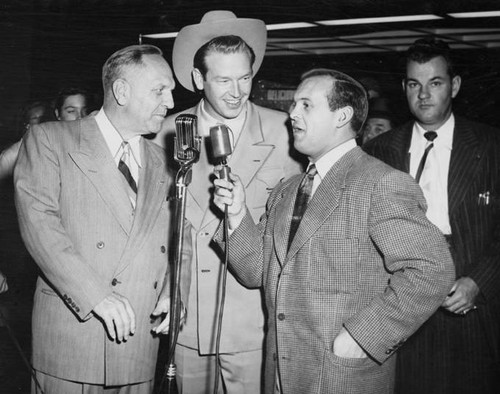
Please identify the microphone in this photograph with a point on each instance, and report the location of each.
(187, 143)
(220, 138)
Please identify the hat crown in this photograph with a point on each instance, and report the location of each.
(217, 16)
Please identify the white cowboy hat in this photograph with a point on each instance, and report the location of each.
(215, 24)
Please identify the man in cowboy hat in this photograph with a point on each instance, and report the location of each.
(225, 53)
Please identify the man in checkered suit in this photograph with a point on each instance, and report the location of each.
(365, 268)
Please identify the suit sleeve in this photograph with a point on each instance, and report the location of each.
(8, 159)
(37, 187)
(416, 255)
(478, 229)
(250, 244)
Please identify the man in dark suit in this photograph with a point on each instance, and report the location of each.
(456, 351)
(347, 284)
(90, 196)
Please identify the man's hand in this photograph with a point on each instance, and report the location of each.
(163, 308)
(345, 346)
(117, 315)
(231, 194)
(3, 284)
(462, 297)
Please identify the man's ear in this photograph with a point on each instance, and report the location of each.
(345, 115)
(455, 85)
(56, 113)
(121, 91)
(403, 84)
(197, 78)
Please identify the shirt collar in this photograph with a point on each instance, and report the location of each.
(235, 124)
(114, 139)
(444, 137)
(325, 162)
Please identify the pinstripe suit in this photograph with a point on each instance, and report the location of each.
(77, 222)
(455, 354)
(355, 262)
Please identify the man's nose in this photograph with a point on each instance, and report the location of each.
(235, 89)
(168, 99)
(423, 92)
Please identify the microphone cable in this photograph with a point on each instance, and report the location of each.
(222, 301)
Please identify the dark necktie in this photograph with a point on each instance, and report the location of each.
(123, 167)
(303, 195)
(430, 136)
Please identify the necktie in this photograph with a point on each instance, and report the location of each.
(430, 136)
(123, 167)
(303, 195)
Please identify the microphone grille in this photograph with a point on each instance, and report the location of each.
(220, 139)
(186, 132)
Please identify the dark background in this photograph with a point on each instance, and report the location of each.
(48, 44)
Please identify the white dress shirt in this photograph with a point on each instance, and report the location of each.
(235, 125)
(115, 141)
(434, 179)
(325, 162)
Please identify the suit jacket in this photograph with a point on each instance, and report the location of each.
(77, 221)
(262, 159)
(474, 173)
(357, 262)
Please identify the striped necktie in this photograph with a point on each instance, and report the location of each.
(303, 195)
(124, 169)
(430, 136)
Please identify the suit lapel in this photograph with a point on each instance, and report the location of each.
(153, 188)
(96, 162)
(398, 149)
(324, 201)
(250, 154)
(251, 151)
(464, 163)
(284, 212)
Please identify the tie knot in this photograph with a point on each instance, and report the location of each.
(312, 171)
(430, 135)
(125, 146)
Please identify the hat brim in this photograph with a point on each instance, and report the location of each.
(192, 37)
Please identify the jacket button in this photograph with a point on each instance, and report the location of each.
(100, 245)
(114, 282)
(155, 285)
(281, 316)
(163, 249)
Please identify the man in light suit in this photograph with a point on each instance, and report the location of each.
(457, 350)
(101, 245)
(365, 267)
(225, 52)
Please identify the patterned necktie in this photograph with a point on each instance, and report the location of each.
(124, 169)
(303, 195)
(430, 136)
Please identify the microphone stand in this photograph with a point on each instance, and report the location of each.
(186, 159)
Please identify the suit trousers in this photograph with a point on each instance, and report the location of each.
(52, 385)
(448, 354)
(241, 372)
